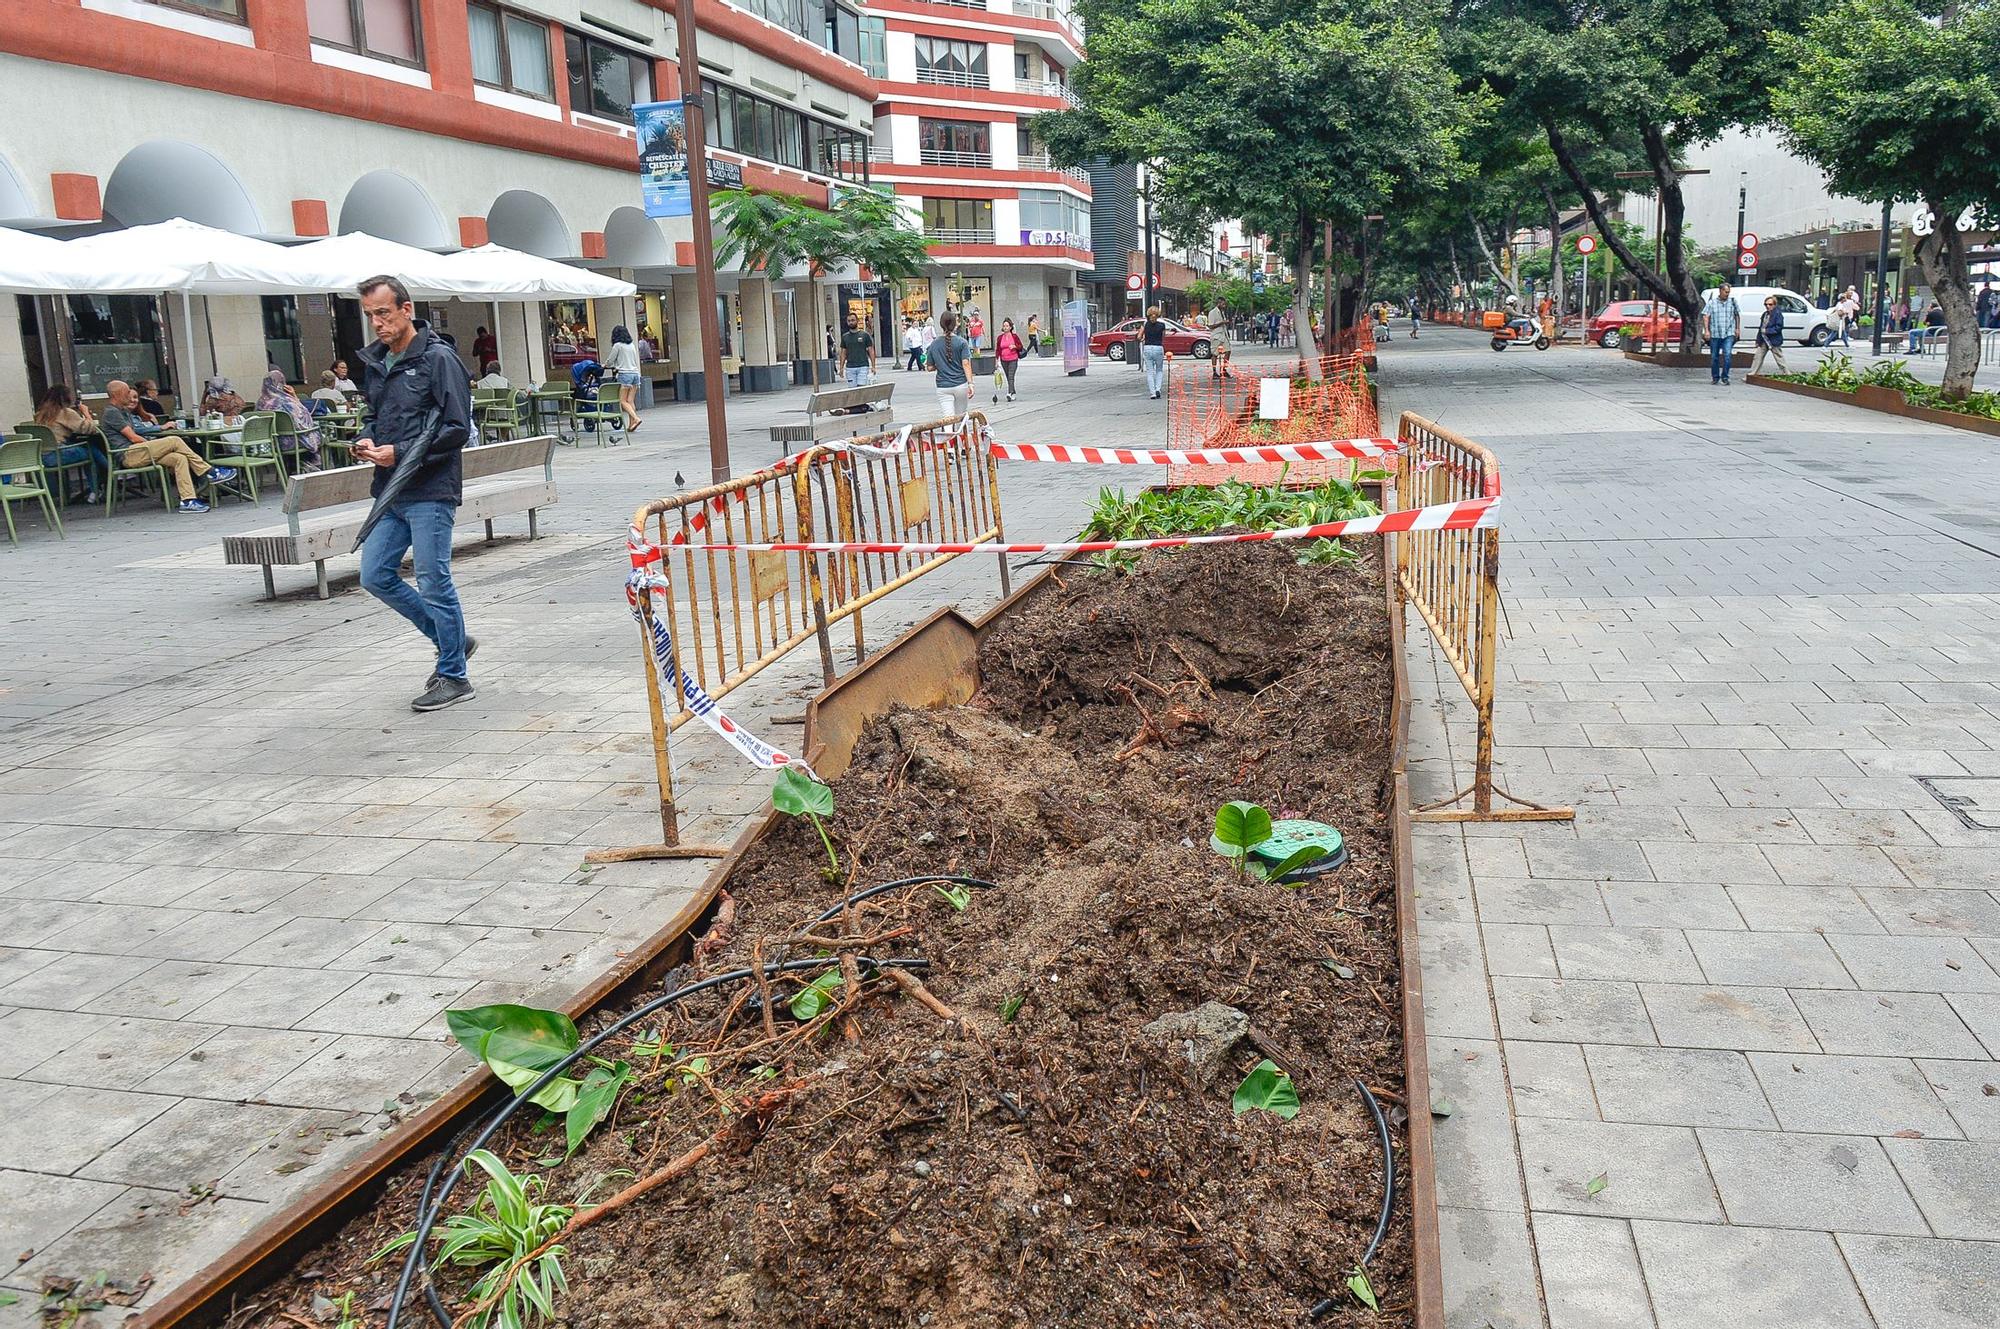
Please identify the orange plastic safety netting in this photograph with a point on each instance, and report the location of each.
(1209, 410)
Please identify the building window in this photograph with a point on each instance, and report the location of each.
(955, 142)
(1051, 217)
(605, 80)
(1020, 66)
(791, 15)
(874, 53)
(748, 124)
(843, 32)
(960, 64)
(230, 9)
(115, 337)
(510, 52)
(961, 220)
(386, 29)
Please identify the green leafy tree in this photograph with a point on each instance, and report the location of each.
(1895, 100)
(1293, 115)
(1631, 81)
(775, 231)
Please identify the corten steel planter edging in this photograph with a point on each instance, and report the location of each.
(1685, 359)
(934, 663)
(1887, 401)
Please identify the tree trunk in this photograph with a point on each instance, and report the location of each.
(1941, 255)
(1457, 274)
(1329, 319)
(1673, 207)
(1560, 292)
(1302, 300)
(1647, 276)
(1503, 283)
(819, 319)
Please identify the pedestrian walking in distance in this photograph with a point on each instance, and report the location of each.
(1721, 318)
(951, 357)
(1008, 347)
(1153, 352)
(420, 408)
(1770, 336)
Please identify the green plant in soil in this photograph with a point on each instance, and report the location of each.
(521, 1043)
(504, 1227)
(797, 794)
(1231, 505)
(958, 897)
(1240, 827)
(1364, 1292)
(1266, 1089)
(813, 999)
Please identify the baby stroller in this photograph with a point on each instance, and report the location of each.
(586, 377)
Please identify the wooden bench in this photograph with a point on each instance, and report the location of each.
(324, 510)
(821, 423)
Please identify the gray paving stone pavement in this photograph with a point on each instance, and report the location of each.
(1753, 986)
(240, 882)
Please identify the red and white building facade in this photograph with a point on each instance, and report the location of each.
(958, 82)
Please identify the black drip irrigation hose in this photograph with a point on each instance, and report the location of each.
(874, 891)
(433, 1200)
(1388, 1193)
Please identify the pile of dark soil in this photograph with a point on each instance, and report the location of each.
(1037, 1158)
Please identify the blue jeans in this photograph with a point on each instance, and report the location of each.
(1719, 351)
(1154, 358)
(422, 528)
(857, 376)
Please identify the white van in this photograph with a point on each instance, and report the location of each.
(1803, 323)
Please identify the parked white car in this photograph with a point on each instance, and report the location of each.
(1803, 323)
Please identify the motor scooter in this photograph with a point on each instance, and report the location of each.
(1520, 328)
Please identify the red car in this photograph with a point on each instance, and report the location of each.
(1180, 340)
(1604, 329)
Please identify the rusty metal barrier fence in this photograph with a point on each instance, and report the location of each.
(1453, 579)
(731, 614)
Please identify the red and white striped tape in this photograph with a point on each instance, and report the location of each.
(1469, 514)
(1324, 450)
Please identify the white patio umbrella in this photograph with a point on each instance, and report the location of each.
(215, 262)
(33, 264)
(355, 256)
(509, 274)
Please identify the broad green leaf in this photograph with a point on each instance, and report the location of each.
(1269, 1089)
(1301, 856)
(1240, 827)
(594, 1101)
(797, 794)
(519, 1043)
(1357, 1283)
(816, 996)
(1596, 1184)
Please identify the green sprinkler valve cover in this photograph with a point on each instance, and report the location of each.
(1290, 836)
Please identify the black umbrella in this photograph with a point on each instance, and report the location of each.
(409, 456)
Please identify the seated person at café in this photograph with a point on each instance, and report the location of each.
(342, 381)
(76, 434)
(149, 400)
(329, 391)
(278, 396)
(494, 378)
(219, 398)
(143, 445)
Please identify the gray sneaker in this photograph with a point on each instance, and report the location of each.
(471, 649)
(444, 692)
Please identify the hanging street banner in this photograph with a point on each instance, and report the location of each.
(663, 158)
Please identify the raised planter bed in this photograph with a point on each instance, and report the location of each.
(1685, 359)
(1871, 397)
(1041, 1156)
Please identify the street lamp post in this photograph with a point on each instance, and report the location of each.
(708, 322)
(1742, 209)
(1882, 275)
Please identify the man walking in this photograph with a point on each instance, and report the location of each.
(857, 349)
(951, 357)
(1720, 318)
(420, 416)
(913, 346)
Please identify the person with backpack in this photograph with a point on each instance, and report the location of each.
(951, 357)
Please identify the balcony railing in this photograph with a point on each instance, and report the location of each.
(1041, 161)
(1043, 9)
(961, 4)
(1054, 89)
(944, 157)
(960, 235)
(956, 78)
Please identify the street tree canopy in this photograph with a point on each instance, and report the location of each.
(1895, 102)
(1286, 113)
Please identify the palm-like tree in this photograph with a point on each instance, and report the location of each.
(863, 226)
